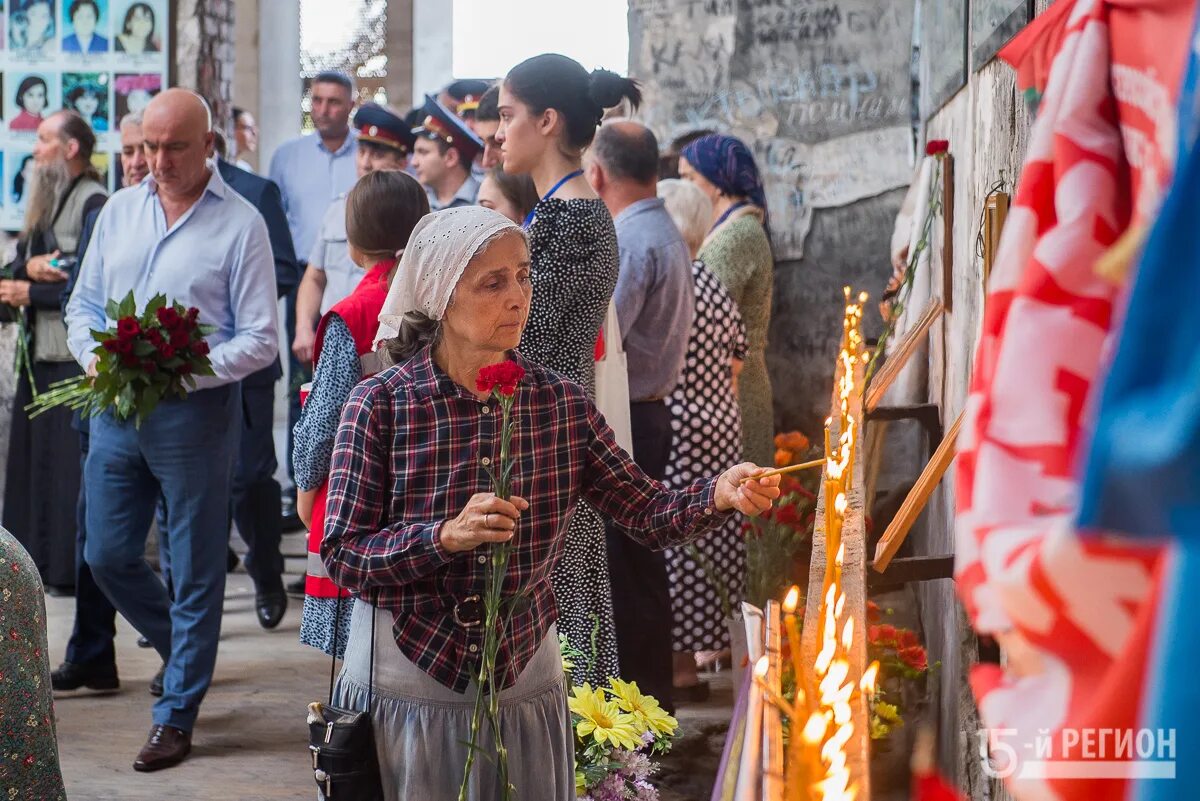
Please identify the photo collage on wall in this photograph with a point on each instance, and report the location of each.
(101, 58)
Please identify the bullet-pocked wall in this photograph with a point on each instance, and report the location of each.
(822, 93)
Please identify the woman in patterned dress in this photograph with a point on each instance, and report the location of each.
(550, 108)
(381, 211)
(738, 251)
(708, 430)
(29, 768)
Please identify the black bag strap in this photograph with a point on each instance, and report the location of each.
(337, 630)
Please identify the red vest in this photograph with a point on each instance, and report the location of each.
(360, 311)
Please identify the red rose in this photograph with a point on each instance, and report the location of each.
(128, 327)
(110, 345)
(169, 318)
(180, 340)
(124, 346)
(907, 638)
(936, 146)
(882, 635)
(154, 337)
(787, 515)
(166, 350)
(192, 314)
(914, 657)
(200, 347)
(502, 377)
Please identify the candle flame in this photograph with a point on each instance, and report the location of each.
(791, 600)
(761, 667)
(867, 684)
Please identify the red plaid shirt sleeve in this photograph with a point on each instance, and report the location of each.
(360, 551)
(641, 507)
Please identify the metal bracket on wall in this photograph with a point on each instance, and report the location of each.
(910, 569)
(928, 415)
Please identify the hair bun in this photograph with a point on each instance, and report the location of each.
(608, 89)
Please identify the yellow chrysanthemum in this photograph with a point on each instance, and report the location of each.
(644, 708)
(603, 719)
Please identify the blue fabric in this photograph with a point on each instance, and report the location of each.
(184, 451)
(729, 165)
(98, 44)
(1142, 476)
(216, 257)
(310, 178)
(264, 195)
(91, 641)
(337, 372)
(655, 298)
(257, 509)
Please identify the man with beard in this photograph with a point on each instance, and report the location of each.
(311, 172)
(42, 477)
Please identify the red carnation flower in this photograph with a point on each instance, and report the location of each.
(874, 613)
(200, 347)
(123, 346)
(166, 350)
(128, 327)
(914, 657)
(787, 515)
(180, 339)
(937, 146)
(169, 318)
(110, 345)
(882, 635)
(907, 638)
(154, 337)
(192, 314)
(502, 377)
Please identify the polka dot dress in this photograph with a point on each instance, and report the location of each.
(573, 246)
(707, 428)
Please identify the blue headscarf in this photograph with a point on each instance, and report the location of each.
(729, 165)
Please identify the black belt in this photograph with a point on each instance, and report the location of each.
(469, 612)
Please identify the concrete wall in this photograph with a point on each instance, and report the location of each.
(987, 124)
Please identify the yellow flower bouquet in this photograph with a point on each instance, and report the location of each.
(617, 729)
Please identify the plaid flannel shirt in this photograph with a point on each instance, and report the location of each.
(411, 451)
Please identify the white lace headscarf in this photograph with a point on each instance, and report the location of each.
(441, 246)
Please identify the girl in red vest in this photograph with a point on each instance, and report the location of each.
(381, 211)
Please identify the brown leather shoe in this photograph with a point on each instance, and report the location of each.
(166, 746)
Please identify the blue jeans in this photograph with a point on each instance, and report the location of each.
(184, 451)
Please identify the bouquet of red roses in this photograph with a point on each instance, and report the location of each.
(146, 357)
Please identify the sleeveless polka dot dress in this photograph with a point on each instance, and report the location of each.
(573, 248)
(708, 437)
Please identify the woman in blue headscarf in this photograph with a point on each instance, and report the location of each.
(738, 251)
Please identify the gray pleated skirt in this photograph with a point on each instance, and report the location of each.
(422, 728)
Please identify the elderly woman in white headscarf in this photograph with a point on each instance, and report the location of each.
(410, 512)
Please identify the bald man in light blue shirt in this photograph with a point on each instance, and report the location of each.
(185, 234)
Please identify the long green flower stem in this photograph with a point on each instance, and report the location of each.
(495, 623)
(910, 270)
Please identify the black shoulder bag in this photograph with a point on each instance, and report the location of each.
(341, 741)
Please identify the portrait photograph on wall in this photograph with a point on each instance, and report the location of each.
(33, 95)
(31, 28)
(87, 94)
(138, 28)
(85, 26)
(102, 59)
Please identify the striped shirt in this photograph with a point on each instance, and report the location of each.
(410, 452)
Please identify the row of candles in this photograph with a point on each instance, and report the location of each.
(821, 713)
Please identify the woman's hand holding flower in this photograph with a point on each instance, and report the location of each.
(751, 498)
(486, 518)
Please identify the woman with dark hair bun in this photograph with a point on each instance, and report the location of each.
(550, 108)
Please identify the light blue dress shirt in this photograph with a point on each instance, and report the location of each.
(310, 177)
(216, 257)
